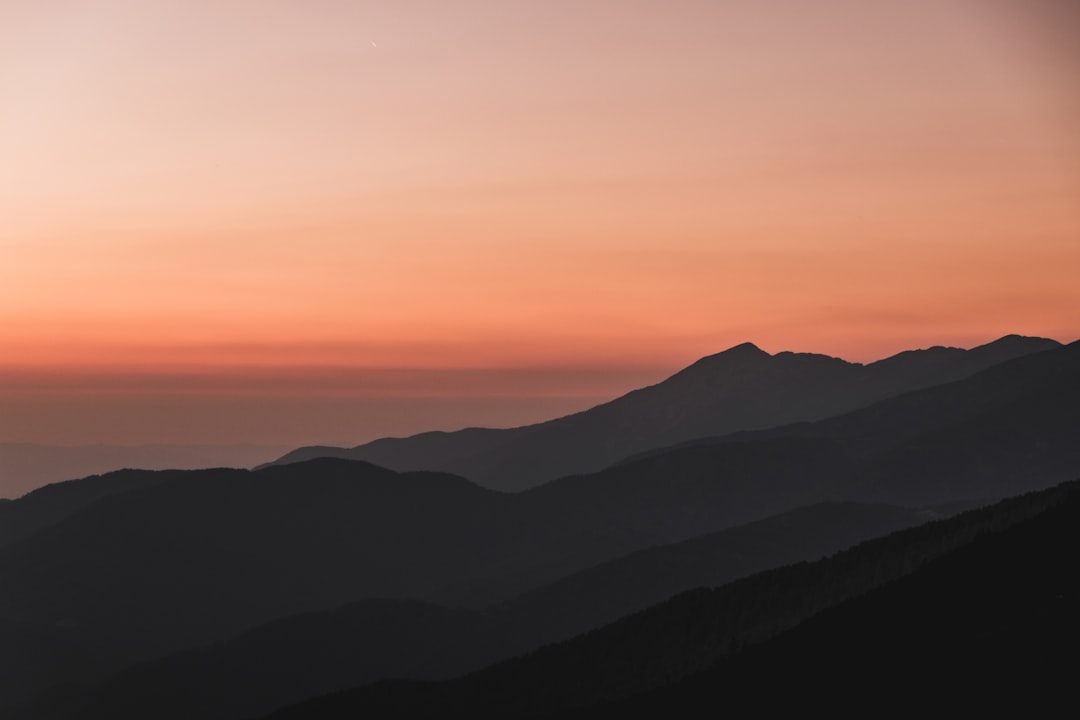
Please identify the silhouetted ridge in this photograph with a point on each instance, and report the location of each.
(27, 466)
(989, 435)
(743, 388)
(50, 504)
(744, 355)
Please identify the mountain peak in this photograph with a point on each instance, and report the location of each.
(746, 348)
(1010, 346)
(1022, 340)
(742, 351)
(744, 355)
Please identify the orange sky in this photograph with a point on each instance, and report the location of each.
(529, 206)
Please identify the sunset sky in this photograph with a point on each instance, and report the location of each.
(324, 221)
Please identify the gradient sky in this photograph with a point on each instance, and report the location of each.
(323, 221)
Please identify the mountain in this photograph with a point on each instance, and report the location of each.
(1002, 431)
(50, 504)
(288, 660)
(621, 587)
(26, 466)
(989, 628)
(743, 388)
(982, 596)
(205, 555)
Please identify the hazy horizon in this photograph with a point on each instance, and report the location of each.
(335, 406)
(331, 221)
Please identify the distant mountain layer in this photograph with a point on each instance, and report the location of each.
(743, 388)
(303, 656)
(968, 610)
(26, 466)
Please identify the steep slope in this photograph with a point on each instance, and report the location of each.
(289, 660)
(743, 388)
(991, 627)
(692, 632)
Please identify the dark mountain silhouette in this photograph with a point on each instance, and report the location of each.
(980, 437)
(743, 388)
(990, 628)
(303, 656)
(48, 505)
(1012, 565)
(27, 466)
(208, 554)
(227, 546)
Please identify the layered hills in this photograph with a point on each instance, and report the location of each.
(924, 615)
(231, 568)
(291, 659)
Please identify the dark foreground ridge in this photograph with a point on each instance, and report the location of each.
(991, 627)
(303, 656)
(956, 607)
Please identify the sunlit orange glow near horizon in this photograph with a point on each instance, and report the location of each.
(552, 199)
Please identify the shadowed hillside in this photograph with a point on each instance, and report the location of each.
(991, 627)
(289, 660)
(208, 554)
(1011, 565)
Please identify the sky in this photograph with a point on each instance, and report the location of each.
(324, 221)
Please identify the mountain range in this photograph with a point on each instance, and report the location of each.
(234, 592)
(743, 388)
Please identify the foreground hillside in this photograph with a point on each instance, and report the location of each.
(991, 627)
(288, 660)
(987, 596)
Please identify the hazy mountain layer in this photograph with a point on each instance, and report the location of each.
(743, 388)
(26, 466)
